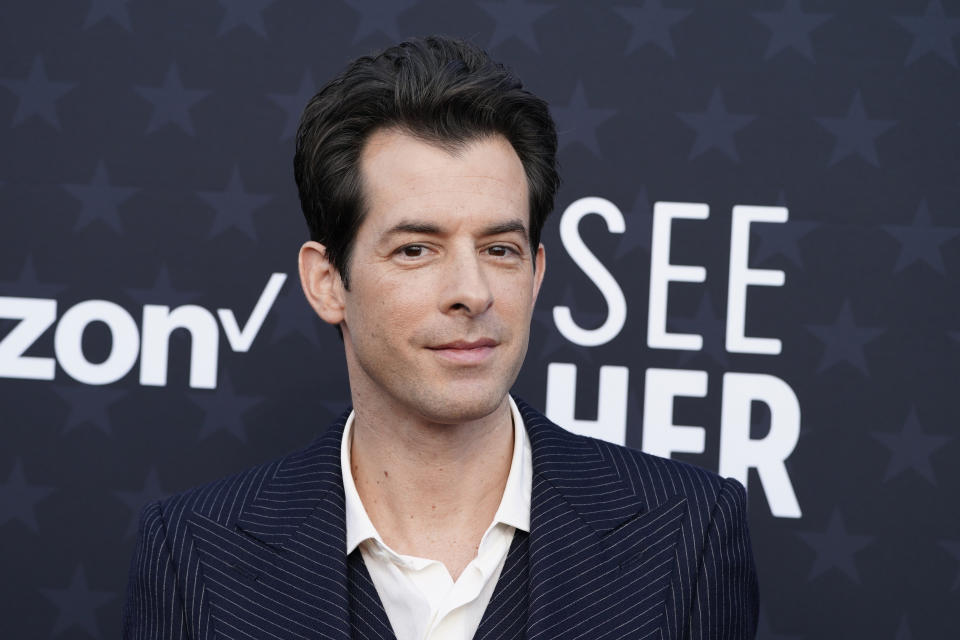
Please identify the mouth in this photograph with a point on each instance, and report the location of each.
(466, 352)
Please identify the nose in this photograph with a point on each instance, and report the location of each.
(467, 288)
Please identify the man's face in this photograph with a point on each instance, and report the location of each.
(442, 279)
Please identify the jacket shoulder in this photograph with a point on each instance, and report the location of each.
(652, 478)
(224, 499)
(658, 479)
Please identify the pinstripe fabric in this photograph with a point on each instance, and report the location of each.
(506, 615)
(368, 618)
(622, 545)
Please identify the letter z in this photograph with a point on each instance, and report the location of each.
(36, 316)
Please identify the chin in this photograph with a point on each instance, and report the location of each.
(462, 406)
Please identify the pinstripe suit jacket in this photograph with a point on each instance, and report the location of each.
(622, 545)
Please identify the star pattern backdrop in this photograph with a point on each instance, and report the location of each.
(146, 166)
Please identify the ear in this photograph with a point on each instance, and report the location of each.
(540, 262)
(321, 282)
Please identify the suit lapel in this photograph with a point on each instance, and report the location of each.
(280, 569)
(368, 618)
(600, 558)
(505, 615)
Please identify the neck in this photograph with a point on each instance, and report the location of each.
(431, 490)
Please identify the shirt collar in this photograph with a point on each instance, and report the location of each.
(514, 509)
(359, 526)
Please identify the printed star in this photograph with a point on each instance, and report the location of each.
(911, 449)
(578, 122)
(113, 9)
(18, 498)
(953, 548)
(651, 24)
(921, 240)
(903, 631)
(77, 605)
(639, 221)
(37, 94)
(99, 200)
(293, 104)
(548, 333)
(243, 12)
(234, 206)
(294, 315)
(835, 548)
(136, 500)
(790, 27)
(709, 325)
(162, 291)
(88, 405)
(172, 102)
(855, 133)
(515, 19)
(224, 410)
(781, 239)
(27, 285)
(715, 128)
(844, 341)
(379, 16)
(933, 32)
(764, 632)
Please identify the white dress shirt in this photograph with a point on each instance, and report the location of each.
(421, 599)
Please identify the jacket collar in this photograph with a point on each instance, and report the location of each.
(299, 483)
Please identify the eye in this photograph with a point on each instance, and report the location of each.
(412, 251)
(501, 251)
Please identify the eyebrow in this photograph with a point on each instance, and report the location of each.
(412, 227)
(510, 226)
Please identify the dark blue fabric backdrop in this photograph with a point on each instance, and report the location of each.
(153, 335)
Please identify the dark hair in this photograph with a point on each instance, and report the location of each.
(444, 91)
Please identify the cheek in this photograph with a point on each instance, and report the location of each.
(516, 298)
(388, 313)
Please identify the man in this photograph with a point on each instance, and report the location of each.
(440, 507)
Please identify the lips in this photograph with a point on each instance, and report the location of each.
(466, 351)
(464, 344)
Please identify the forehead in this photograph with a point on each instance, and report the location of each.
(407, 177)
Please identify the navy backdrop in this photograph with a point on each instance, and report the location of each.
(795, 161)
